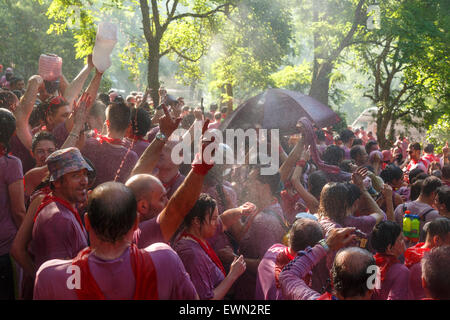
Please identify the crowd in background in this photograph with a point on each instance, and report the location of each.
(88, 185)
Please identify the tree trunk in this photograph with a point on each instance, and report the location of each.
(320, 83)
(153, 73)
(229, 92)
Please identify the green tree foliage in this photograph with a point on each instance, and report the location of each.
(403, 59)
(174, 28)
(24, 39)
(253, 43)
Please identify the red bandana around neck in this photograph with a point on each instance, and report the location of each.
(209, 251)
(102, 139)
(283, 258)
(384, 262)
(49, 198)
(143, 270)
(414, 254)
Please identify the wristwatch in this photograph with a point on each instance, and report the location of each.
(323, 243)
(161, 136)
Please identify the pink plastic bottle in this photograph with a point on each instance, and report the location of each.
(50, 67)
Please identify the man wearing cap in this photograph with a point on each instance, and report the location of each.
(58, 231)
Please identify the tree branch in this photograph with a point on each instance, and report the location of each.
(199, 15)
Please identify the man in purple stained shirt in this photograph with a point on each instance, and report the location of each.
(58, 231)
(304, 233)
(108, 154)
(422, 207)
(352, 275)
(387, 239)
(168, 171)
(347, 137)
(438, 234)
(436, 273)
(111, 268)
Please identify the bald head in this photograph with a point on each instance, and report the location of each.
(150, 195)
(142, 184)
(350, 272)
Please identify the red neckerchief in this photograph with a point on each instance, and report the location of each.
(49, 198)
(101, 138)
(208, 250)
(327, 296)
(143, 270)
(169, 184)
(283, 258)
(414, 254)
(384, 262)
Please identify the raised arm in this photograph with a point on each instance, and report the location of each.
(74, 88)
(186, 195)
(149, 158)
(311, 202)
(357, 179)
(286, 168)
(23, 111)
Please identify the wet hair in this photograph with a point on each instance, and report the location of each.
(416, 146)
(36, 116)
(119, 116)
(41, 136)
(429, 148)
(7, 99)
(51, 106)
(111, 211)
(430, 185)
(444, 196)
(204, 207)
(273, 180)
(391, 173)
(384, 234)
(415, 189)
(7, 127)
(14, 80)
(353, 193)
(369, 145)
(436, 273)
(332, 202)
(350, 276)
(345, 165)
(98, 110)
(316, 181)
(333, 155)
(104, 97)
(438, 227)
(357, 142)
(413, 175)
(356, 151)
(346, 135)
(140, 121)
(304, 233)
(320, 135)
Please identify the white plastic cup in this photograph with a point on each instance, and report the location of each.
(105, 41)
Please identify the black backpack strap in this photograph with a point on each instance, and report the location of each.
(423, 216)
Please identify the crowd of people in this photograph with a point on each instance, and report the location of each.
(92, 205)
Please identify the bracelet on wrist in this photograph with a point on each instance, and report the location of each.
(324, 244)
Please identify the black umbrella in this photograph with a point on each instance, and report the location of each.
(280, 109)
